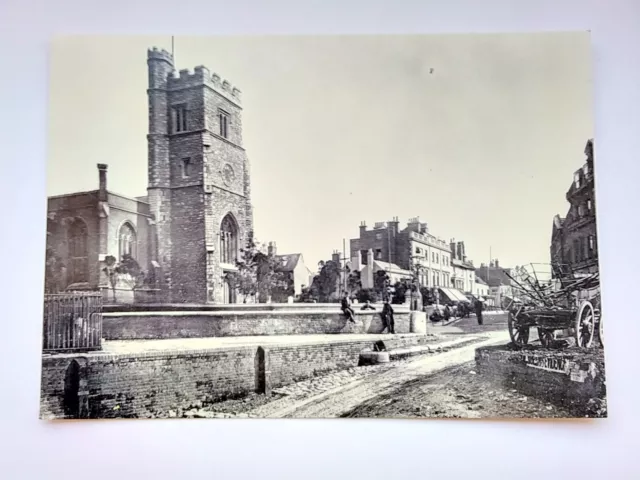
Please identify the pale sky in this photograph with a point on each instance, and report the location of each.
(344, 129)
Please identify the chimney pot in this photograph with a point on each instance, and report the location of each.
(102, 175)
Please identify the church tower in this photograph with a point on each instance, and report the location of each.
(199, 180)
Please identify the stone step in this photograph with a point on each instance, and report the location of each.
(400, 353)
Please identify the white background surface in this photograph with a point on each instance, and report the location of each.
(296, 449)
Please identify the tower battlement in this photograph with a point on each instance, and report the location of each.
(159, 54)
(201, 75)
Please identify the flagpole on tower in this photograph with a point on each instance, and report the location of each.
(173, 50)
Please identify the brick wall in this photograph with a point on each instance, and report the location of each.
(151, 384)
(565, 378)
(147, 325)
(144, 385)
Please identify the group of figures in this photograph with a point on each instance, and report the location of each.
(386, 314)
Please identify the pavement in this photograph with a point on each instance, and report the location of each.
(491, 322)
(184, 344)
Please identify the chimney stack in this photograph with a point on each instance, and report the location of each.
(363, 228)
(102, 173)
(335, 257)
(272, 250)
(497, 263)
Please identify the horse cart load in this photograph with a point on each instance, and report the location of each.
(565, 302)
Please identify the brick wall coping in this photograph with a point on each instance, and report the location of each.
(239, 313)
(138, 350)
(262, 307)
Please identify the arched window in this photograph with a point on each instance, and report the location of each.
(77, 238)
(127, 241)
(228, 240)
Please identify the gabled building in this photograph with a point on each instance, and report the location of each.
(371, 267)
(574, 246)
(296, 270)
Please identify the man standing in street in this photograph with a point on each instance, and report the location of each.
(478, 306)
(387, 317)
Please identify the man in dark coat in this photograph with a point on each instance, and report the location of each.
(387, 317)
(479, 311)
(346, 308)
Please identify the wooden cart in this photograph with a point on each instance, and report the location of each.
(572, 304)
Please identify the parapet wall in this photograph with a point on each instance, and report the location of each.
(151, 384)
(247, 321)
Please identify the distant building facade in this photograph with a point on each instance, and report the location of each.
(464, 273)
(481, 289)
(574, 245)
(412, 249)
(499, 284)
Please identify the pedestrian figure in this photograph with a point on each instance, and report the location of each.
(387, 317)
(479, 311)
(367, 306)
(447, 312)
(346, 308)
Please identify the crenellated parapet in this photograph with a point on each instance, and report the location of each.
(159, 54)
(202, 76)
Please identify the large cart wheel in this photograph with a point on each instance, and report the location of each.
(600, 332)
(585, 325)
(547, 337)
(518, 333)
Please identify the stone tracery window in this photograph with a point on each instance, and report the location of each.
(77, 245)
(127, 241)
(228, 240)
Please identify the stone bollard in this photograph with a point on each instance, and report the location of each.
(418, 322)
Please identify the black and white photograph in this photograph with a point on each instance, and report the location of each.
(349, 226)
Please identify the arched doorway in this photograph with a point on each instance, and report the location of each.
(229, 294)
(77, 240)
(71, 390)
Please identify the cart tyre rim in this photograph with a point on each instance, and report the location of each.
(600, 331)
(519, 335)
(584, 325)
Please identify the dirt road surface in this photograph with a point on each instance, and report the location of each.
(345, 398)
